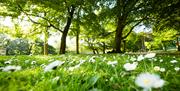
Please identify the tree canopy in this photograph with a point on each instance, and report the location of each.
(96, 20)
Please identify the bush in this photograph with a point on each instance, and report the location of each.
(18, 47)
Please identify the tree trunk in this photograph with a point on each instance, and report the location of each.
(65, 31)
(104, 47)
(77, 42)
(63, 43)
(45, 48)
(46, 35)
(118, 36)
(78, 30)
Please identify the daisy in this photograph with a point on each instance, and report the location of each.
(33, 62)
(162, 69)
(150, 55)
(11, 68)
(7, 62)
(55, 78)
(148, 81)
(75, 67)
(133, 59)
(53, 65)
(173, 61)
(129, 66)
(43, 65)
(92, 59)
(82, 61)
(176, 68)
(140, 58)
(161, 60)
(156, 68)
(112, 63)
(26, 61)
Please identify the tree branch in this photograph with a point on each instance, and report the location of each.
(133, 28)
(35, 22)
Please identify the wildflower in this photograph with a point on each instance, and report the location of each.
(26, 61)
(162, 69)
(112, 63)
(53, 65)
(173, 61)
(56, 78)
(156, 68)
(135, 63)
(33, 62)
(158, 83)
(11, 68)
(176, 68)
(104, 59)
(92, 59)
(43, 65)
(133, 59)
(7, 62)
(129, 66)
(82, 61)
(150, 55)
(148, 81)
(75, 67)
(140, 58)
(161, 60)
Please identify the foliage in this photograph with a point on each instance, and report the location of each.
(162, 39)
(18, 47)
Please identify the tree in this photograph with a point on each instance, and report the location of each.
(55, 16)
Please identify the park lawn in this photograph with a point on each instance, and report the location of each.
(86, 73)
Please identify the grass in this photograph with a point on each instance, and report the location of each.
(90, 76)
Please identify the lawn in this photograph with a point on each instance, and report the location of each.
(107, 72)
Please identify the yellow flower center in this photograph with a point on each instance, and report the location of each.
(146, 81)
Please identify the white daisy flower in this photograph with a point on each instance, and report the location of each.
(148, 81)
(150, 55)
(43, 65)
(140, 58)
(11, 68)
(176, 68)
(7, 62)
(129, 66)
(74, 67)
(56, 78)
(33, 62)
(133, 59)
(135, 63)
(156, 68)
(173, 61)
(112, 63)
(162, 69)
(92, 59)
(104, 59)
(26, 61)
(53, 65)
(82, 61)
(161, 60)
(158, 83)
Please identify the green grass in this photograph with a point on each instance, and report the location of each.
(97, 76)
